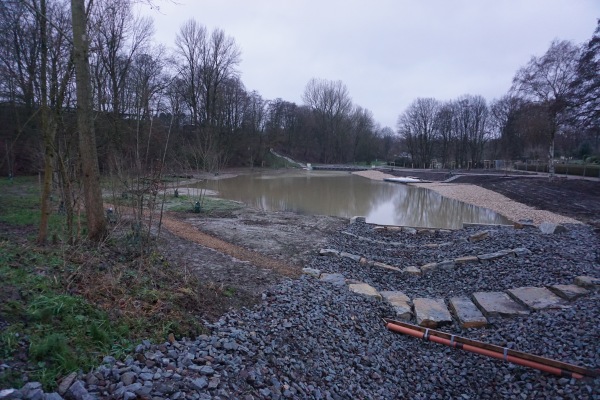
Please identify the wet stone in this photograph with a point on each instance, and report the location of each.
(494, 304)
(467, 313)
(521, 252)
(312, 272)
(466, 260)
(479, 236)
(412, 270)
(446, 265)
(428, 268)
(329, 252)
(568, 292)
(66, 383)
(386, 266)
(537, 298)
(364, 289)
(431, 313)
(587, 282)
(353, 257)
(495, 255)
(336, 279)
(400, 302)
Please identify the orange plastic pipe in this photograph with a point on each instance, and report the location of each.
(485, 352)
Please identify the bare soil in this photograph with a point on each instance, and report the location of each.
(241, 253)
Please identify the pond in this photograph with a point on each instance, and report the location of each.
(346, 195)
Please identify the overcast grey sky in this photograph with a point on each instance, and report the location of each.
(387, 52)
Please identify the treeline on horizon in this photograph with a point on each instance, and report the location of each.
(186, 108)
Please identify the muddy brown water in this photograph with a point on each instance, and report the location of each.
(342, 194)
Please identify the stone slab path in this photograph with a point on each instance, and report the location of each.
(537, 298)
(569, 292)
(469, 312)
(400, 302)
(431, 313)
(469, 316)
(494, 304)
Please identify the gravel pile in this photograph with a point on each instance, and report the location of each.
(312, 339)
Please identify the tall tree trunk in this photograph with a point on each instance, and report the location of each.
(92, 194)
(47, 131)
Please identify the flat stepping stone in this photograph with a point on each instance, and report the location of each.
(537, 298)
(400, 302)
(479, 236)
(312, 272)
(466, 260)
(415, 271)
(365, 289)
(521, 252)
(430, 267)
(568, 292)
(495, 255)
(329, 252)
(353, 257)
(336, 279)
(446, 265)
(494, 304)
(386, 266)
(467, 313)
(431, 313)
(587, 282)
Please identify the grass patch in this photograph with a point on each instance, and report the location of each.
(64, 307)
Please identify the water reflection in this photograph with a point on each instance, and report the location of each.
(346, 195)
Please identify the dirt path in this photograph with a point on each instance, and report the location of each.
(188, 232)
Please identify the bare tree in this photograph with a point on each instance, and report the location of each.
(206, 63)
(417, 126)
(586, 89)
(505, 116)
(118, 37)
(85, 120)
(444, 125)
(48, 131)
(332, 105)
(547, 81)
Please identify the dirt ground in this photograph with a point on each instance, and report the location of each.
(243, 252)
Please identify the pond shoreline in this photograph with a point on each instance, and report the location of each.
(481, 197)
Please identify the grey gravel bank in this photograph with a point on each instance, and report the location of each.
(312, 339)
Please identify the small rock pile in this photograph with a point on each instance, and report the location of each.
(319, 340)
